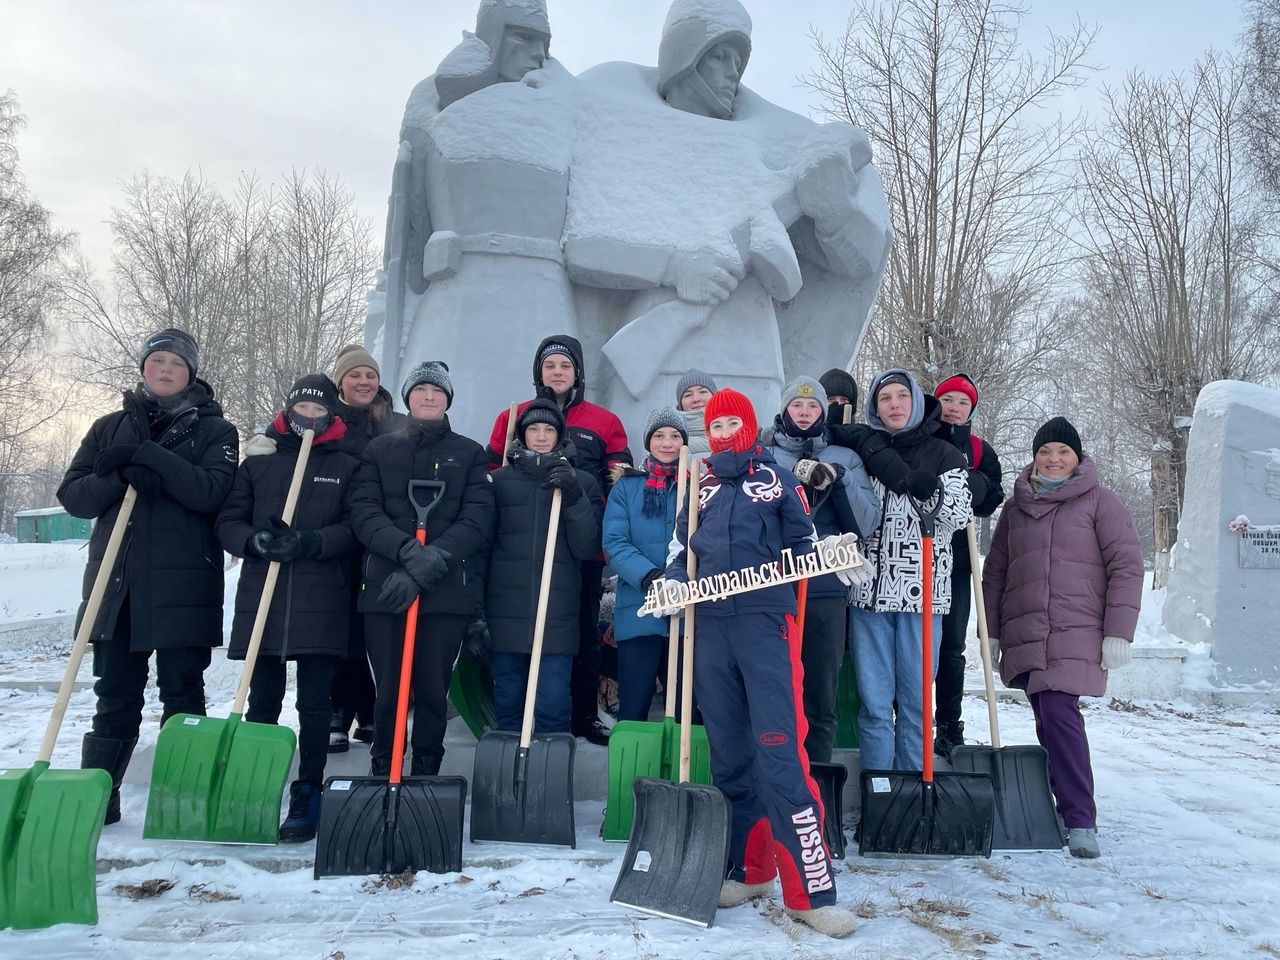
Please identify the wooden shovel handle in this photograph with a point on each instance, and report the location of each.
(273, 574)
(91, 609)
(686, 695)
(540, 620)
(511, 430)
(673, 630)
(984, 636)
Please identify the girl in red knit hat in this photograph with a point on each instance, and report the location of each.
(747, 667)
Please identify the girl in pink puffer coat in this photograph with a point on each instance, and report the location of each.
(1063, 584)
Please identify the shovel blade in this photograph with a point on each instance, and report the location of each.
(830, 778)
(50, 821)
(471, 693)
(358, 834)
(1026, 814)
(523, 796)
(675, 861)
(903, 815)
(218, 780)
(641, 749)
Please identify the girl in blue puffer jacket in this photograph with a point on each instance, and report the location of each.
(639, 520)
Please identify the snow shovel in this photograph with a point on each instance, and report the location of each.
(830, 777)
(217, 780)
(1026, 815)
(50, 820)
(675, 859)
(926, 815)
(388, 826)
(524, 784)
(642, 749)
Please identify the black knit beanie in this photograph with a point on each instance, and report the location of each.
(317, 388)
(1058, 430)
(540, 411)
(838, 383)
(174, 341)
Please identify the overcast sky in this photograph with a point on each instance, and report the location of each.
(112, 87)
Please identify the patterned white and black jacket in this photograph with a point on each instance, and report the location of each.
(895, 546)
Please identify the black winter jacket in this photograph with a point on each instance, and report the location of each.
(171, 562)
(310, 609)
(984, 486)
(365, 423)
(461, 524)
(515, 566)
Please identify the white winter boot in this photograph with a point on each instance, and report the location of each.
(836, 922)
(1083, 843)
(734, 893)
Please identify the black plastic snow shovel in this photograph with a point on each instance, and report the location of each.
(50, 820)
(523, 785)
(1026, 815)
(393, 824)
(675, 860)
(218, 779)
(830, 777)
(926, 815)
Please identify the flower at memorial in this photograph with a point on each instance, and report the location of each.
(1239, 525)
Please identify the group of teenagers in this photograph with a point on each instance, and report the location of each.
(1063, 575)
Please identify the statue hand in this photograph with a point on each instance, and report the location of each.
(702, 276)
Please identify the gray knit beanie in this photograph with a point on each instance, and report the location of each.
(693, 378)
(665, 417)
(435, 372)
(174, 341)
(805, 387)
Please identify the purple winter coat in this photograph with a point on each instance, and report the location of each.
(1065, 570)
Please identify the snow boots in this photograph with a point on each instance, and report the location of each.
(339, 724)
(1083, 842)
(834, 921)
(425, 766)
(105, 753)
(947, 737)
(733, 892)
(304, 813)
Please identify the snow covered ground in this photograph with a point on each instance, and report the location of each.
(1190, 833)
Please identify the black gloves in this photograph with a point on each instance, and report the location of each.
(477, 640)
(277, 542)
(647, 580)
(112, 458)
(564, 477)
(921, 484)
(146, 481)
(878, 455)
(398, 591)
(817, 475)
(426, 564)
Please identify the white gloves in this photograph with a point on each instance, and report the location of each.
(259, 445)
(1116, 653)
(857, 575)
(994, 646)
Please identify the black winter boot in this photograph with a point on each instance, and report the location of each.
(425, 766)
(106, 753)
(339, 724)
(947, 737)
(304, 812)
(380, 767)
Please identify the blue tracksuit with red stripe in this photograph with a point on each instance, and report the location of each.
(747, 668)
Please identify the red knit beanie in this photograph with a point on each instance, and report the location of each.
(961, 384)
(731, 403)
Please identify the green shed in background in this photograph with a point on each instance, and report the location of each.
(50, 525)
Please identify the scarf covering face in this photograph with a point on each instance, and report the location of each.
(661, 476)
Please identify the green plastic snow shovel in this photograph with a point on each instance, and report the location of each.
(675, 859)
(642, 749)
(220, 780)
(522, 785)
(50, 820)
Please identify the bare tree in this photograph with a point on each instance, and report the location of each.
(31, 280)
(1175, 266)
(975, 167)
(1261, 61)
(271, 283)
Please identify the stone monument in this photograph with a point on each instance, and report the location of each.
(668, 217)
(1224, 585)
